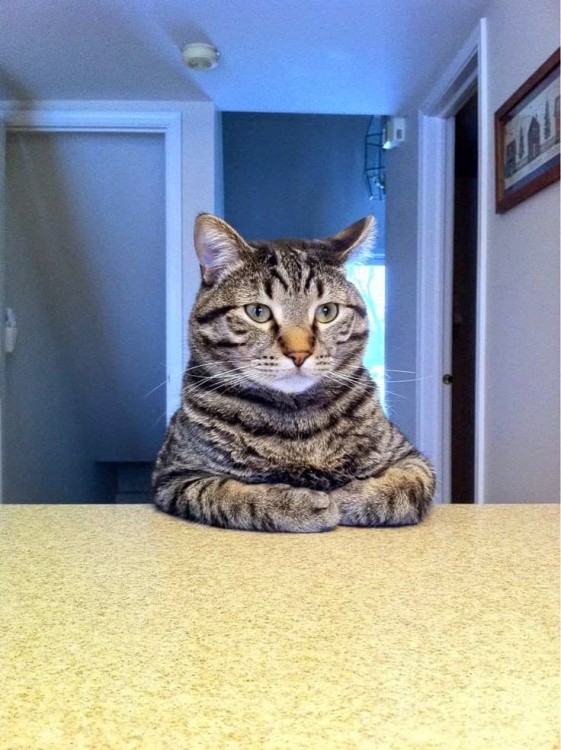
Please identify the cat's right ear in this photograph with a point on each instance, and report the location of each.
(218, 246)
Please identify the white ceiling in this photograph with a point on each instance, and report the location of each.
(324, 56)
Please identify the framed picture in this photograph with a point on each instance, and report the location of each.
(527, 137)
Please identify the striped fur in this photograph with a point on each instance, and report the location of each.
(280, 426)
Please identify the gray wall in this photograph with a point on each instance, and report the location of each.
(85, 272)
(401, 280)
(522, 366)
(295, 175)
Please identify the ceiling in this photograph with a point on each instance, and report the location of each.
(323, 56)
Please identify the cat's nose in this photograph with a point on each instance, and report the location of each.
(297, 343)
(298, 357)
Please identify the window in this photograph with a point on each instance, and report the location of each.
(371, 282)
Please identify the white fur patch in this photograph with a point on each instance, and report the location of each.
(296, 383)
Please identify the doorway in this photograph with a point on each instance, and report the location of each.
(466, 74)
(85, 279)
(464, 309)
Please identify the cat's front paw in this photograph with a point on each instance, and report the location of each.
(304, 510)
(377, 502)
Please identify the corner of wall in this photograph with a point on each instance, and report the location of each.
(218, 166)
(401, 279)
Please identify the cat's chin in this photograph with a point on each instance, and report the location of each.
(297, 383)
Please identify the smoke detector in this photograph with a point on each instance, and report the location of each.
(394, 134)
(200, 56)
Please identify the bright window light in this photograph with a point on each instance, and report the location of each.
(371, 283)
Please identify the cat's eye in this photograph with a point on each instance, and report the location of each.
(327, 312)
(258, 313)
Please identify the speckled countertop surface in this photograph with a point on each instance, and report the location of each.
(122, 627)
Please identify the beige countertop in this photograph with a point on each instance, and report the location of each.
(122, 627)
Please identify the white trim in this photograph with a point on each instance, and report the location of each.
(118, 106)
(434, 291)
(169, 125)
(447, 303)
(175, 355)
(430, 292)
(89, 121)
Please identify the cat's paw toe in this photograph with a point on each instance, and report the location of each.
(319, 500)
(311, 510)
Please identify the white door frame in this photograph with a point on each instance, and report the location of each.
(435, 258)
(169, 125)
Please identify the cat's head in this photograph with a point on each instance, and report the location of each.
(279, 314)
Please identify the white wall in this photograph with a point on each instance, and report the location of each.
(522, 398)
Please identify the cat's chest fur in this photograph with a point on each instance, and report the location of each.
(309, 447)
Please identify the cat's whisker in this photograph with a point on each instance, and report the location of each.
(339, 379)
(228, 382)
(398, 395)
(407, 380)
(153, 390)
(219, 376)
(211, 365)
(223, 372)
(216, 376)
(331, 379)
(345, 377)
(163, 415)
(169, 378)
(195, 367)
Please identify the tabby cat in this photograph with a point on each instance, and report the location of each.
(280, 426)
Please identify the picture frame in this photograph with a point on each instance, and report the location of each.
(528, 138)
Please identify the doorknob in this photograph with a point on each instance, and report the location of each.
(447, 379)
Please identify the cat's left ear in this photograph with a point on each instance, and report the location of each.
(354, 241)
(218, 246)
